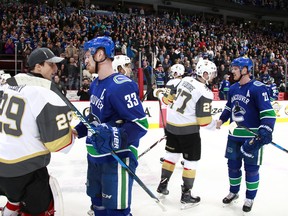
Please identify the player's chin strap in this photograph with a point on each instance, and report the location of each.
(242, 75)
(97, 62)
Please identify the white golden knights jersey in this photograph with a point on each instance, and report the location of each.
(190, 107)
(34, 121)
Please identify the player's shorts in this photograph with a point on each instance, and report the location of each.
(111, 182)
(189, 145)
(233, 152)
(32, 190)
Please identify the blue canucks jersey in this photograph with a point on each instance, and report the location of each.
(273, 91)
(112, 99)
(249, 105)
(224, 86)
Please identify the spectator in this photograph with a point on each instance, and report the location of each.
(124, 48)
(73, 74)
(83, 91)
(159, 76)
(9, 47)
(149, 78)
(61, 86)
(70, 50)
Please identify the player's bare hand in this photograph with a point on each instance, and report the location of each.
(75, 133)
(218, 124)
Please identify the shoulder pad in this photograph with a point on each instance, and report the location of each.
(119, 79)
(258, 83)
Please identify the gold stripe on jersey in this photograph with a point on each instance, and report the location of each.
(62, 142)
(26, 157)
(204, 120)
(182, 125)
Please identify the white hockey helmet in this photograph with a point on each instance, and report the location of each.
(120, 60)
(94, 76)
(177, 70)
(208, 67)
(4, 76)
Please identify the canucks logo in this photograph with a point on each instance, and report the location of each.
(238, 112)
(121, 79)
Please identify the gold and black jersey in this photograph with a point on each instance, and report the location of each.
(34, 121)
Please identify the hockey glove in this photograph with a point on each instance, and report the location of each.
(157, 91)
(107, 138)
(264, 135)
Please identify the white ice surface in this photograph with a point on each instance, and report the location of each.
(211, 182)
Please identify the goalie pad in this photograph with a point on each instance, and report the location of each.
(57, 196)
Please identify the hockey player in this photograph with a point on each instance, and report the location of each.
(224, 87)
(122, 64)
(34, 121)
(272, 89)
(189, 108)
(121, 122)
(249, 105)
(177, 71)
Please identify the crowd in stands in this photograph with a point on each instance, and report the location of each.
(271, 4)
(161, 39)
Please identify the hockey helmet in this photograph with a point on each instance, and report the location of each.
(177, 70)
(242, 62)
(244, 51)
(271, 80)
(206, 66)
(101, 42)
(120, 60)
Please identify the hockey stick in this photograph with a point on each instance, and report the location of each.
(162, 116)
(152, 146)
(234, 124)
(145, 95)
(113, 153)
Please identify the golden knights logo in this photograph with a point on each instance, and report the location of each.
(276, 106)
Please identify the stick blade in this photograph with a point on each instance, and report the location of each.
(160, 204)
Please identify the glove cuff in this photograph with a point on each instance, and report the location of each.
(266, 127)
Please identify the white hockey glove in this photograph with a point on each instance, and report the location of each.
(157, 91)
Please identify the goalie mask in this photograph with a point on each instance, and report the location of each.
(177, 70)
(206, 66)
(124, 62)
